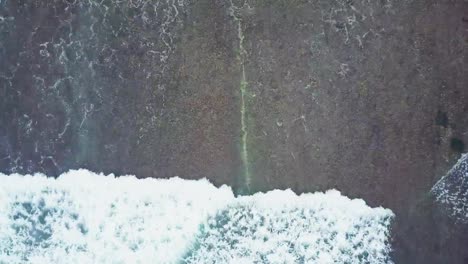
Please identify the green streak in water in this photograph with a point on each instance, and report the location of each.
(243, 106)
(244, 150)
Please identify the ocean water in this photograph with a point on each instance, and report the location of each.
(83, 217)
(451, 191)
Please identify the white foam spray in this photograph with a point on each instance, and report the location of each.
(83, 217)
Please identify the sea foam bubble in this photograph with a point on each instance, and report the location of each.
(83, 217)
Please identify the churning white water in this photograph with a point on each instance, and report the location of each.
(451, 191)
(83, 217)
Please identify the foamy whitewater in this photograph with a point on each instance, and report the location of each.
(451, 191)
(83, 217)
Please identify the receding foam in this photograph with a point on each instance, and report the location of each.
(451, 191)
(83, 217)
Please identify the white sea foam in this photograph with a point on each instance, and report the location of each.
(451, 191)
(82, 217)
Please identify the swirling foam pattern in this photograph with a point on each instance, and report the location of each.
(83, 217)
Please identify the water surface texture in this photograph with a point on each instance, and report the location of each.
(368, 97)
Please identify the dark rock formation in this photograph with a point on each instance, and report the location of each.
(369, 97)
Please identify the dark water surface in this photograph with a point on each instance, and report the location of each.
(368, 97)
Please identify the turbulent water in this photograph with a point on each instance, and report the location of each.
(452, 190)
(82, 217)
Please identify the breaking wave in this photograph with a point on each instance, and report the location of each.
(451, 191)
(83, 217)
